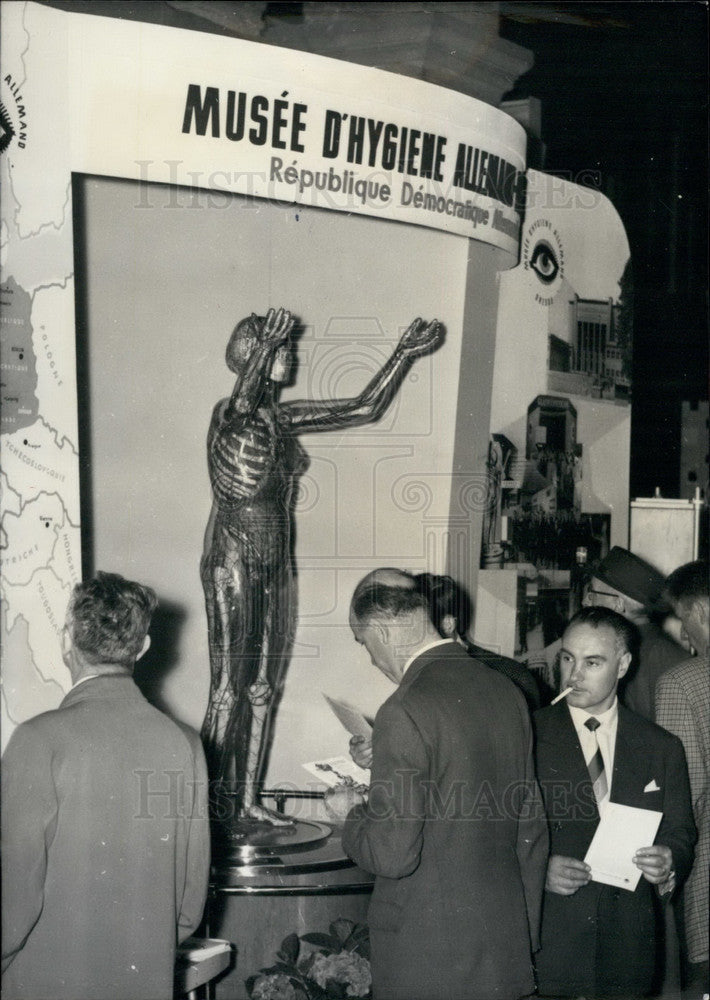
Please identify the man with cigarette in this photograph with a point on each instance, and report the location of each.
(599, 940)
(453, 828)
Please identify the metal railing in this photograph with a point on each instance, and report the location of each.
(282, 795)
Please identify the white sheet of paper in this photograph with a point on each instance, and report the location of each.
(338, 771)
(352, 718)
(200, 949)
(621, 832)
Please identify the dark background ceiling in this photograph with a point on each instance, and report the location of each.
(624, 92)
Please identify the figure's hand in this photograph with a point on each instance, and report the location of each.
(276, 327)
(340, 800)
(656, 863)
(420, 337)
(361, 750)
(566, 875)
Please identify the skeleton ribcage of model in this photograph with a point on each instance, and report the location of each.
(240, 462)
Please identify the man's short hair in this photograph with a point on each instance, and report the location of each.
(627, 635)
(109, 617)
(689, 582)
(379, 601)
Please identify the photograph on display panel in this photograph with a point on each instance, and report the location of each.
(559, 448)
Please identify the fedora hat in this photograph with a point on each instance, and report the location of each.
(631, 576)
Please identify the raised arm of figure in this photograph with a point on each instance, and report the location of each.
(330, 414)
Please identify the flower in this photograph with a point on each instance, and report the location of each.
(276, 987)
(318, 966)
(343, 967)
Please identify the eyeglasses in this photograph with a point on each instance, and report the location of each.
(590, 593)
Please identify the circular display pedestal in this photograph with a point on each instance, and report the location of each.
(256, 901)
(262, 842)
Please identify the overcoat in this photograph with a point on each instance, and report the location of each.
(602, 940)
(105, 843)
(454, 832)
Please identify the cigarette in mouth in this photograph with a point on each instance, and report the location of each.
(561, 695)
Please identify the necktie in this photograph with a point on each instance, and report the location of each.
(597, 772)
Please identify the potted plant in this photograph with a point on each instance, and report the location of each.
(332, 966)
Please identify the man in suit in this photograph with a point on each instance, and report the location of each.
(629, 585)
(683, 708)
(453, 827)
(598, 940)
(451, 612)
(104, 821)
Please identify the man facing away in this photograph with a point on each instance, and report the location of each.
(104, 821)
(453, 828)
(451, 611)
(598, 940)
(630, 586)
(683, 708)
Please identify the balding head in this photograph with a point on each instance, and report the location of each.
(449, 605)
(385, 576)
(389, 616)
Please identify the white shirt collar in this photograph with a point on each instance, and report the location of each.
(580, 715)
(423, 649)
(91, 677)
(83, 680)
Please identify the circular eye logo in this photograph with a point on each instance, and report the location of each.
(544, 262)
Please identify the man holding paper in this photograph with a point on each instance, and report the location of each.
(453, 827)
(600, 768)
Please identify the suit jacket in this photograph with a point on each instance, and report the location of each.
(105, 847)
(454, 832)
(516, 672)
(602, 940)
(657, 653)
(683, 708)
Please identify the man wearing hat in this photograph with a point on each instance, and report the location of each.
(628, 585)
